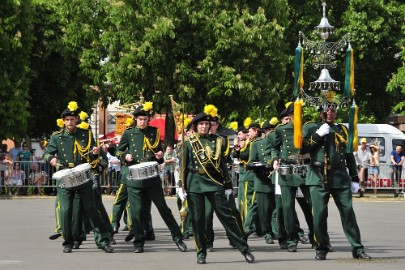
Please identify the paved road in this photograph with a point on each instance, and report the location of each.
(26, 224)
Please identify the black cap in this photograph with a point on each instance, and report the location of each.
(214, 119)
(283, 114)
(254, 125)
(68, 112)
(140, 111)
(267, 125)
(200, 117)
(242, 129)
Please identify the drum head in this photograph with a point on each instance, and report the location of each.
(60, 174)
(82, 167)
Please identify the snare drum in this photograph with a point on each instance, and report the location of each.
(300, 169)
(143, 171)
(285, 169)
(75, 177)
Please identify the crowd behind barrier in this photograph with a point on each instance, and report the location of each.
(35, 178)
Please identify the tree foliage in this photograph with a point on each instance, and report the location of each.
(15, 44)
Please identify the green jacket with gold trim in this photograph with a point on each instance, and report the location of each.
(243, 156)
(262, 183)
(338, 160)
(283, 148)
(142, 144)
(205, 165)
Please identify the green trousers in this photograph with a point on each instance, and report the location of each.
(66, 198)
(343, 201)
(265, 208)
(290, 218)
(251, 219)
(137, 199)
(226, 213)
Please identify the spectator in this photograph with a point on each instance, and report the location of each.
(36, 178)
(7, 163)
(114, 168)
(397, 160)
(15, 150)
(25, 156)
(374, 166)
(17, 179)
(362, 158)
(170, 165)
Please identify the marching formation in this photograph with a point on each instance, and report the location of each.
(273, 174)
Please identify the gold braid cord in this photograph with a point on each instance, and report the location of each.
(85, 151)
(204, 156)
(147, 145)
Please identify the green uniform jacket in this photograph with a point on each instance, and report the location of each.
(283, 148)
(72, 149)
(243, 157)
(338, 159)
(270, 137)
(142, 144)
(257, 154)
(209, 176)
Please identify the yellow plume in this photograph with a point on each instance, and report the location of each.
(211, 110)
(247, 122)
(148, 106)
(273, 121)
(233, 126)
(72, 106)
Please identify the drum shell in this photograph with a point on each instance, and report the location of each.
(285, 169)
(300, 169)
(143, 171)
(73, 178)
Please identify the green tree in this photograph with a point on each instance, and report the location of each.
(15, 45)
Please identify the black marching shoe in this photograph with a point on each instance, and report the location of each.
(125, 228)
(201, 261)
(320, 256)
(269, 241)
(76, 244)
(129, 236)
(181, 245)
(304, 239)
(283, 245)
(55, 236)
(249, 257)
(67, 249)
(292, 249)
(138, 250)
(115, 230)
(361, 255)
(108, 249)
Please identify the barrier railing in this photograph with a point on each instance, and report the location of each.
(30, 177)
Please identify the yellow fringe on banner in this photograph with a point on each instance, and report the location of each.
(351, 73)
(355, 130)
(298, 124)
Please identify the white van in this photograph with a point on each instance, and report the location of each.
(388, 137)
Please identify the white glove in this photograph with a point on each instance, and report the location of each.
(182, 195)
(323, 130)
(355, 187)
(228, 193)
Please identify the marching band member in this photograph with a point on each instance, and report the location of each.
(137, 145)
(74, 146)
(207, 177)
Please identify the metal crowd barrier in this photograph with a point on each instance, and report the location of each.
(389, 178)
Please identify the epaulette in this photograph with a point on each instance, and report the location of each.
(130, 127)
(308, 122)
(258, 139)
(57, 132)
(282, 124)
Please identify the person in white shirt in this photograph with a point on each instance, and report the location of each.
(362, 160)
(114, 168)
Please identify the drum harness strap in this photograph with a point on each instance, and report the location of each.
(206, 158)
(85, 151)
